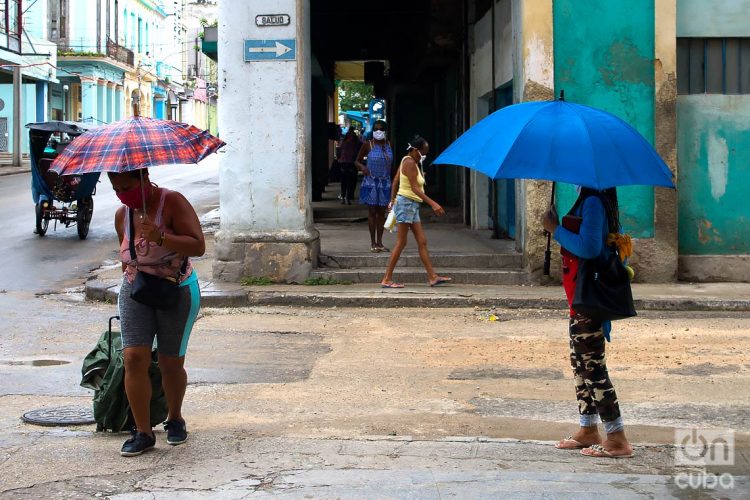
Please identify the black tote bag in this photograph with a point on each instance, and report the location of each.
(603, 289)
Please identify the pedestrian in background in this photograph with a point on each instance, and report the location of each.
(597, 215)
(164, 237)
(347, 155)
(375, 190)
(408, 195)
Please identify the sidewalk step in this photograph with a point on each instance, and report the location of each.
(418, 275)
(439, 260)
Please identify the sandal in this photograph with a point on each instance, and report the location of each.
(391, 284)
(374, 249)
(381, 248)
(598, 451)
(569, 443)
(440, 280)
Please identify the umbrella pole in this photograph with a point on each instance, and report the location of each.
(548, 253)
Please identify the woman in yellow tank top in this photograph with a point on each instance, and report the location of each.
(407, 196)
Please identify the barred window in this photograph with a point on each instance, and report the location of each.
(713, 65)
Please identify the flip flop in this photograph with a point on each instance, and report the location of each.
(440, 280)
(597, 451)
(374, 249)
(392, 284)
(383, 249)
(569, 444)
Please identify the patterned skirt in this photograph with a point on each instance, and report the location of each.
(375, 191)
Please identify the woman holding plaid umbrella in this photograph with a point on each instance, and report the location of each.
(158, 231)
(170, 230)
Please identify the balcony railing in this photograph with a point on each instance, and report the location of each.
(120, 53)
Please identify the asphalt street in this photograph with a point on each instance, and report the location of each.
(33, 263)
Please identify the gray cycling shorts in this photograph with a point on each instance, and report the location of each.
(140, 323)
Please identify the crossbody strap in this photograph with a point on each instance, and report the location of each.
(130, 236)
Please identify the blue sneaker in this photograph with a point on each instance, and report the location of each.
(137, 444)
(176, 432)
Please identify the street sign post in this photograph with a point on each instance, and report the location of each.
(270, 50)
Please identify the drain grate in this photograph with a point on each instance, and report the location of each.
(60, 415)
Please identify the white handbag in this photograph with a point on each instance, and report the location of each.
(390, 221)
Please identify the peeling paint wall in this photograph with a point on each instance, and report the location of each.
(533, 76)
(713, 145)
(714, 184)
(604, 57)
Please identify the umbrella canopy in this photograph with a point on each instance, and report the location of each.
(559, 141)
(134, 144)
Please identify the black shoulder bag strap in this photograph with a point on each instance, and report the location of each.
(130, 236)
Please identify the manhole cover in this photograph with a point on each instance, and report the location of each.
(36, 362)
(60, 415)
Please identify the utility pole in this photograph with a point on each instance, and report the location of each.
(17, 128)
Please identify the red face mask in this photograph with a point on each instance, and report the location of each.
(133, 198)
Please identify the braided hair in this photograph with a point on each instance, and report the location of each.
(611, 205)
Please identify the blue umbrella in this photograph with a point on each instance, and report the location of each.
(559, 141)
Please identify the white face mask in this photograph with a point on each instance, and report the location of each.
(378, 135)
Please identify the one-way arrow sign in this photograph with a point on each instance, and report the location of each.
(270, 50)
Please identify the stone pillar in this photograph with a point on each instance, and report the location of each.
(534, 73)
(101, 101)
(89, 98)
(661, 258)
(110, 103)
(266, 219)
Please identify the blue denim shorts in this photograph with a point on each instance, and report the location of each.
(406, 210)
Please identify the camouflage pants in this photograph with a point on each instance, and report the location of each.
(594, 390)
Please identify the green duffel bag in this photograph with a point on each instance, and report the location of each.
(103, 371)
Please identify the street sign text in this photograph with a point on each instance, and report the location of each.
(272, 20)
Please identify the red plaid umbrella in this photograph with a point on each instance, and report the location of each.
(133, 144)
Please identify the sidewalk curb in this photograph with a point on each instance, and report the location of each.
(217, 296)
(6, 170)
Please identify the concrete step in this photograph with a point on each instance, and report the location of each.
(418, 275)
(439, 259)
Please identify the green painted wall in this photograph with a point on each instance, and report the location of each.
(714, 174)
(721, 18)
(604, 57)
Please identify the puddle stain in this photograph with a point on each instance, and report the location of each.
(35, 362)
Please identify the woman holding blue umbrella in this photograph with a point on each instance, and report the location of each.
(597, 399)
(564, 142)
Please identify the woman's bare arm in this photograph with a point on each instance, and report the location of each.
(363, 151)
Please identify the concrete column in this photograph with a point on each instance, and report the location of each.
(266, 219)
(101, 105)
(89, 99)
(661, 259)
(42, 110)
(118, 102)
(110, 102)
(534, 72)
